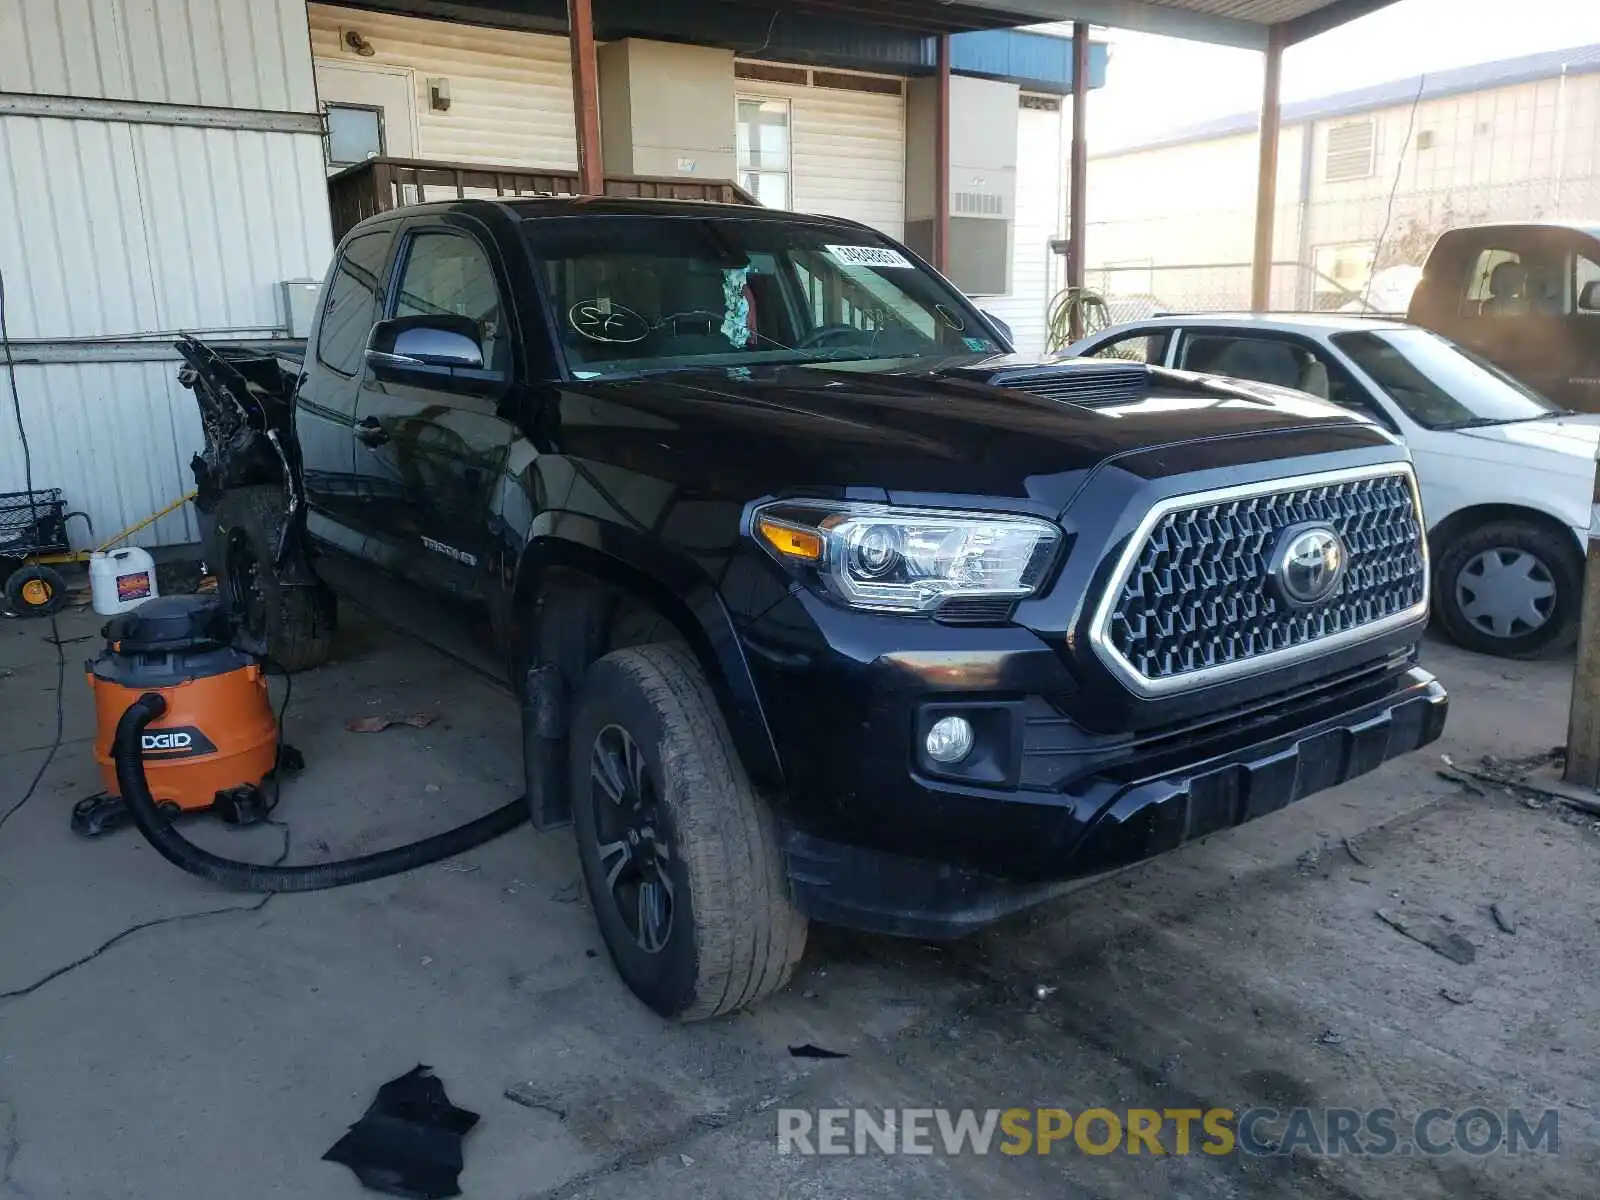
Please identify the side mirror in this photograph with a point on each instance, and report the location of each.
(1589, 298)
(440, 350)
(1005, 329)
(442, 341)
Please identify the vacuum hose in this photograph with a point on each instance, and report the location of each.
(127, 754)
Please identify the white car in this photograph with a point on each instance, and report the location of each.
(1507, 476)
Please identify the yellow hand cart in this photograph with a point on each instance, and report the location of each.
(33, 542)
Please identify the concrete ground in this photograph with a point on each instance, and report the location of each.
(223, 1050)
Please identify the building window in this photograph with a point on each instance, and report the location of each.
(1352, 151)
(764, 158)
(1341, 273)
(355, 134)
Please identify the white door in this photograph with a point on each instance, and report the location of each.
(370, 110)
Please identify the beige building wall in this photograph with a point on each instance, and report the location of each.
(1165, 222)
(510, 90)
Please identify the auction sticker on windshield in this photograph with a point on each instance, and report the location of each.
(869, 256)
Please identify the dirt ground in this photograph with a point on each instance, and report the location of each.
(223, 1049)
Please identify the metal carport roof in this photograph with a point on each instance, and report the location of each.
(1230, 22)
(1245, 23)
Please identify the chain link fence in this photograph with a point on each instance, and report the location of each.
(1358, 253)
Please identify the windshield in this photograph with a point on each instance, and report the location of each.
(633, 294)
(1438, 383)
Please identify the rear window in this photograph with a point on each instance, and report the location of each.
(352, 305)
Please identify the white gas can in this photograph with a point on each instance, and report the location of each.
(121, 580)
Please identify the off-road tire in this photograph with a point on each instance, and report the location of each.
(297, 620)
(734, 937)
(1558, 553)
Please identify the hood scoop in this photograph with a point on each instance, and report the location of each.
(1087, 382)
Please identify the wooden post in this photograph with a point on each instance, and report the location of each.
(1078, 183)
(1583, 722)
(1267, 179)
(586, 97)
(941, 161)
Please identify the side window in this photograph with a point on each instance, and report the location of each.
(446, 274)
(1585, 272)
(1138, 347)
(1516, 283)
(1265, 360)
(1480, 280)
(1286, 363)
(352, 305)
(1328, 379)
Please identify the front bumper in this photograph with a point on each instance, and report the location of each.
(980, 853)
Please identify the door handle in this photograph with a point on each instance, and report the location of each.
(370, 433)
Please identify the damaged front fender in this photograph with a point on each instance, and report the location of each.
(246, 413)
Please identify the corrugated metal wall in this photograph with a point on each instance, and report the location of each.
(848, 152)
(1036, 273)
(115, 228)
(110, 229)
(510, 91)
(226, 53)
(116, 437)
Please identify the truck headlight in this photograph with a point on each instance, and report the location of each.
(908, 560)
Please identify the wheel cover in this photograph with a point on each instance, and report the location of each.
(37, 592)
(629, 839)
(1506, 592)
(244, 586)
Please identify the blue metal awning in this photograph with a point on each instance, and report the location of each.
(1039, 62)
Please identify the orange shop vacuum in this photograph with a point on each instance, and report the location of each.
(217, 741)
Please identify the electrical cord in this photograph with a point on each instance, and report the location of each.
(27, 483)
(283, 715)
(68, 968)
(1394, 191)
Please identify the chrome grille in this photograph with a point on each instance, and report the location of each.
(1192, 601)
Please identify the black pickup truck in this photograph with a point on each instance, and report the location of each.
(819, 602)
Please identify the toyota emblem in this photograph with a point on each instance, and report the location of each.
(1309, 564)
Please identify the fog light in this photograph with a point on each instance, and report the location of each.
(950, 739)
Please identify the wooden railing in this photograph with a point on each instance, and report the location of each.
(380, 184)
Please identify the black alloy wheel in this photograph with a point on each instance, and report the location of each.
(631, 838)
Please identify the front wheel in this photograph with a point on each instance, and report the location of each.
(680, 854)
(1511, 589)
